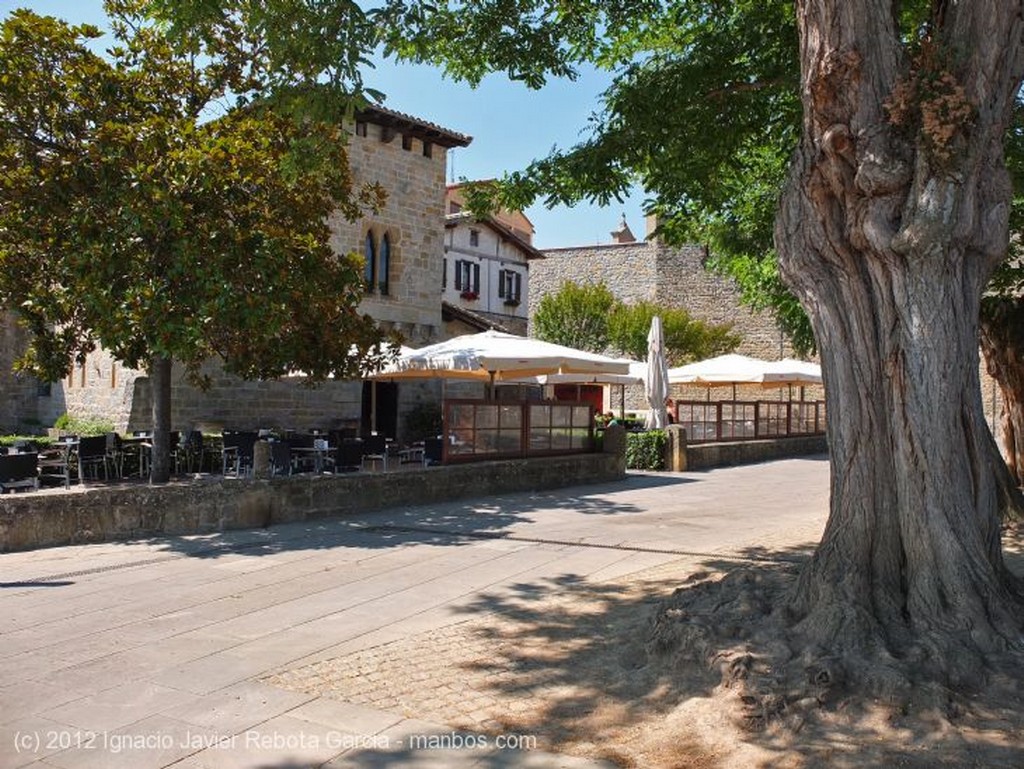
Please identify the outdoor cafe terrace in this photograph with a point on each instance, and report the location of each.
(472, 430)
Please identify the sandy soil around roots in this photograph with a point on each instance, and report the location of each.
(573, 663)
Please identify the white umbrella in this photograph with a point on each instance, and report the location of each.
(722, 371)
(634, 377)
(495, 356)
(656, 378)
(735, 369)
(791, 372)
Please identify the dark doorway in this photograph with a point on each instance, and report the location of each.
(386, 400)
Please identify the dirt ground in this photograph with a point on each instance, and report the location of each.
(571, 663)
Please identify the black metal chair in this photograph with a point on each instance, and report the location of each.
(19, 471)
(433, 451)
(237, 452)
(55, 463)
(115, 454)
(303, 456)
(92, 455)
(375, 449)
(349, 455)
(189, 453)
(280, 458)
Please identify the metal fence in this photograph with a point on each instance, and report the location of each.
(708, 421)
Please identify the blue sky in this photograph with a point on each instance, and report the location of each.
(510, 126)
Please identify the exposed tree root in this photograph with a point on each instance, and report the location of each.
(784, 670)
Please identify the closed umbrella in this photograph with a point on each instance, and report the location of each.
(656, 378)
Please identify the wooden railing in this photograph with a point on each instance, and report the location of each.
(708, 421)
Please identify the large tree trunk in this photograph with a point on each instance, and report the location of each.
(889, 246)
(160, 383)
(1002, 342)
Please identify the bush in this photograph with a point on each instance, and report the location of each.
(646, 451)
(39, 440)
(83, 425)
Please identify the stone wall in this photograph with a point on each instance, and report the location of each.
(705, 456)
(652, 271)
(630, 271)
(682, 281)
(47, 519)
(17, 391)
(101, 388)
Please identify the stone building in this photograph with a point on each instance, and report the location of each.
(403, 247)
(649, 270)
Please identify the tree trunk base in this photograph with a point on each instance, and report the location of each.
(784, 668)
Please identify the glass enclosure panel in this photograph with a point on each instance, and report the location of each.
(511, 417)
(481, 429)
(461, 416)
(510, 441)
(561, 416)
(540, 416)
(461, 443)
(486, 417)
(580, 416)
(540, 439)
(486, 442)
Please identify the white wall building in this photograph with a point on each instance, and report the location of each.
(487, 269)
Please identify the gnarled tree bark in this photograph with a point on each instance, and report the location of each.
(1002, 344)
(889, 246)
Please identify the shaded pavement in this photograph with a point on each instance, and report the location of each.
(333, 643)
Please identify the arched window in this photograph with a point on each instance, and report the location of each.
(369, 253)
(384, 265)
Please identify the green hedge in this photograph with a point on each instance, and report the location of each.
(39, 440)
(646, 451)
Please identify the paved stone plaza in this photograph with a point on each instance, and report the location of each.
(332, 644)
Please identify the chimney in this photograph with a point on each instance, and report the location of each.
(652, 225)
(623, 234)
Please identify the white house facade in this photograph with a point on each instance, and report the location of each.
(486, 269)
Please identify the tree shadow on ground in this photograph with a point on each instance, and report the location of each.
(580, 665)
(448, 524)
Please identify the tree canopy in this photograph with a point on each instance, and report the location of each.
(132, 218)
(153, 204)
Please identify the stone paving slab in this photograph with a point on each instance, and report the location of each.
(183, 633)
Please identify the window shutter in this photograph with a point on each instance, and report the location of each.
(518, 293)
(444, 273)
(501, 283)
(458, 275)
(476, 278)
